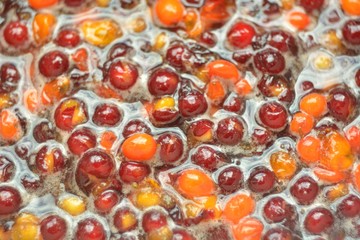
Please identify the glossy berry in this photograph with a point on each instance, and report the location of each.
(171, 147)
(105, 201)
(192, 104)
(276, 210)
(230, 131)
(261, 136)
(9, 78)
(153, 220)
(7, 169)
(123, 75)
(351, 32)
(349, 207)
(176, 55)
(180, 234)
(234, 104)
(43, 132)
(202, 129)
(131, 172)
(278, 233)
(106, 115)
(269, 61)
(241, 35)
(118, 50)
(318, 220)
(283, 41)
(230, 179)
(135, 126)
(16, 34)
(163, 82)
(311, 5)
(273, 115)
(208, 38)
(304, 190)
(53, 228)
(261, 180)
(10, 200)
(207, 158)
(81, 140)
(53, 64)
(68, 38)
(70, 113)
(125, 220)
(275, 86)
(90, 229)
(49, 160)
(341, 104)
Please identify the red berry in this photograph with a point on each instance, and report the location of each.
(53, 64)
(106, 115)
(10, 200)
(311, 5)
(304, 190)
(7, 169)
(153, 220)
(43, 132)
(118, 50)
(261, 136)
(124, 215)
(241, 35)
(90, 229)
(278, 233)
(341, 104)
(70, 113)
(208, 158)
(351, 32)
(123, 75)
(53, 228)
(49, 160)
(176, 55)
(192, 103)
(318, 220)
(234, 104)
(135, 126)
(180, 234)
(261, 180)
(230, 179)
(81, 140)
(16, 34)
(350, 206)
(230, 131)
(276, 210)
(275, 86)
(105, 201)
(269, 61)
(74, 3)
(208, 38)
(171, 147)
(200, 127)
(130, 172)
(273, 115)
(241, 57)
(9, 78)
(163, 82)
(68, 38)
(357, 78)
(307, 85)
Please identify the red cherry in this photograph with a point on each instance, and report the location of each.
(106, 115)
(53, 228)
(230, 179)
(105, 201)
(123, 75)
(9, 78)
(304, 190)
(49, 160)
(351, 31)
(90, 229)
(165, 116)
(171, 147)
(208, 158)
(121, 215)
(68, 38)
(7, 169)
(43, 132)
(192, 103)
(269, 61)
(10, 200)
(130, 172)
(135, 126)
(16, 34)
(81, 140)
(241, 35)
(53, 64)
(318, 220)
(230, 131)
(273, 115)
(153, 220)
(261, 180)
(350, 206)
(341, 104)
(276, 210)
(180, 234)
(163, 81)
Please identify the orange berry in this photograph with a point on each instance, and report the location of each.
(55, 90)
(353, 136)
(351, 7)
(329, 176)
(139, 147)
(238, 207)
(248, 229)
(192, 23)
(10, 128)
(195, 183)
(107, 140)
(100, 32)
(337, 191)
(243, 87)
(299, 20)
(301, 123)
(356, 178)
(314, 104)
(169, 12)
(31, 100)
(37, 4)
(283, 164)
(216, 91)
(42, 26)
(224, 70)
(308, 149)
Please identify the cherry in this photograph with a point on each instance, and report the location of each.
(318, 220)
(180, 234)
(123, 75)
(171, 147)
(81, 140)
(163, 81)
(230, 131)
(208, 38)
(201, 127)
(261, 136)
(273, 115)
(53, 227)
(130, 172)
(43, 131)
(261, 180)
(269, 61)
(351, 32)
(241, 35)
(118, 50)
(74, 3)
(53, 64)
(125, 220)
(153, 220)
(106, 115)
(9, 78)
(49, 160)
(16, 34)
(192, 103)
(304, 190)
(68, 38)
(10, 200)
(230, 179)
(341, 104)
(311, 5)
(70, 113)
(135, 126)
(276, 210)
(177, 55)
(7, 169)
(349, 207)
(207, 158)
(278, 233)
(275, 86)
(234, 104)
(105, 201)
(90, 229)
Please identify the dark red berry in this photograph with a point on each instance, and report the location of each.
(106, 115)
(241, 35)
(304, 190)
(53, 64)
(10, 200)
(261, 136)
(7, 169)
(351, 31)
(163, 82)
(118, 50)
(81, 140)
(273, 115)
(341, 104)
(318, 220)
(105, 201)
(201, 127)
(16, 34)
(357, 78)
(176, 55)
(43, 132)
(276, 210)
(180, 234)
(230, 131)
(311, 5)
(192, 104)
(261, 180)
(208, 158)
(275, 86)
(9, 78)
(242, 57)
(53, 228)
(153, 220)
(128, 4)
(230, 179)
(208, 38)
(270, 7)
(74, 3)
(68, 38)
(90, 229)
(130, 172)
(307, 85)
(350, 206)
(234, 104)
(135, 126)
(269, 61)
(49, 160)
(123, 75)
(278, 233)
(171, 147)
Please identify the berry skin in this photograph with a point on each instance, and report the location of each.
(53, 64)
(318, 220)
(16, 34)
(241, 35)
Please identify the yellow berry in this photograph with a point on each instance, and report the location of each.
(160, 41)
(138, 25)
(145, 199)
(283, 164)
(164, 103)
(163, 233)
(26, 227)
(103, 3)
(73, 205)
(100, 32)
(323, 62)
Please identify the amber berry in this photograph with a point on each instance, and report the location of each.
(53, 228)
(125, 220)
